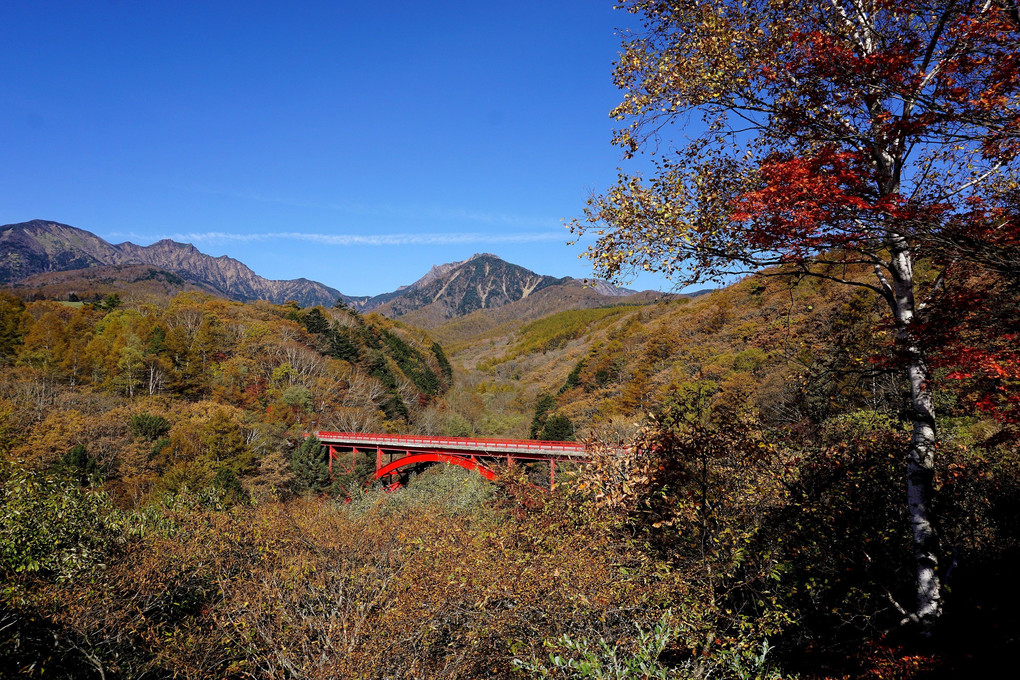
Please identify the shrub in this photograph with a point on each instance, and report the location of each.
(702, 495)
(452, 488)
(79, 465)
(148, 426)
(584, 658)
(587, 659)
(50, 524)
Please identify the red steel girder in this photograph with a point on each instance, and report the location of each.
(414, 458)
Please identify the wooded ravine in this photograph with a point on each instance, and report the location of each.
(161, 514)
(812, 471)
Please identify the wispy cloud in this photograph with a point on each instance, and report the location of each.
(370, 239)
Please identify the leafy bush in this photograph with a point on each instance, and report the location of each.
(601, 660)
(50, 524)
(452, 488)
(297, 397)
(749, 359)
(702, 494)
(604, 661)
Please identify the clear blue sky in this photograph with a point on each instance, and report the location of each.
(354, 143)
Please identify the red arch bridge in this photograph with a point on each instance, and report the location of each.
(396, 453)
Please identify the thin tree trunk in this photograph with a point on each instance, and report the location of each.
(921, 453)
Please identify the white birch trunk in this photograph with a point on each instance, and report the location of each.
(921, 453)
(888, 160)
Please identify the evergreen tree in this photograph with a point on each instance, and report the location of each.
(315, 321)
(558, 429)
(342, 345)
(148, 426)
(79, 465)
(311, 471)
(225, 480)
(574, 379)
(545, 403)
(444, 363)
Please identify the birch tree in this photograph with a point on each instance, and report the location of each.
(823, 137)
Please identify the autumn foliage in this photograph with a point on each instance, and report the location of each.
(793, 474)
(833, 136)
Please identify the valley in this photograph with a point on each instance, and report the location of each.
(155, 399)
(644, 340)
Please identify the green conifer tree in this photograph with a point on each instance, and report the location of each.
(311, 471)
(558, 429)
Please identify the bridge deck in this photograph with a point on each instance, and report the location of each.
(516, 448)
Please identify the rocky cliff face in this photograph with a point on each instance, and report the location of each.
(608, 289)
(368, 303)
(40, 246)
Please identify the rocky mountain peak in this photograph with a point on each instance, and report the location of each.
(483, 281)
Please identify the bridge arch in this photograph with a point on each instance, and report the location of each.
(464, 452)
(416, 458)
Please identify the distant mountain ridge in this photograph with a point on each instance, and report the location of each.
(368, 303)
(54, 259)
(40, 246)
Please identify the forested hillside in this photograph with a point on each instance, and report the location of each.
(812, 471)
(798, 353)
(163, 440)
(196, 392)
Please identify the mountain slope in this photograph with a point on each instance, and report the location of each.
(137, 280)
(39, 246)
(486, 324)
(456, 289)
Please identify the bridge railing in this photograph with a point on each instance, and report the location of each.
(494, 445)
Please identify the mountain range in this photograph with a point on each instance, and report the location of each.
(55, 259)
(40, 247)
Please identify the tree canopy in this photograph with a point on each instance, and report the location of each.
(830, 128)
(835, 137)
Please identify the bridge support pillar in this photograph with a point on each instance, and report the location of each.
(332, 454)
(378, 459)
(552, 475)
